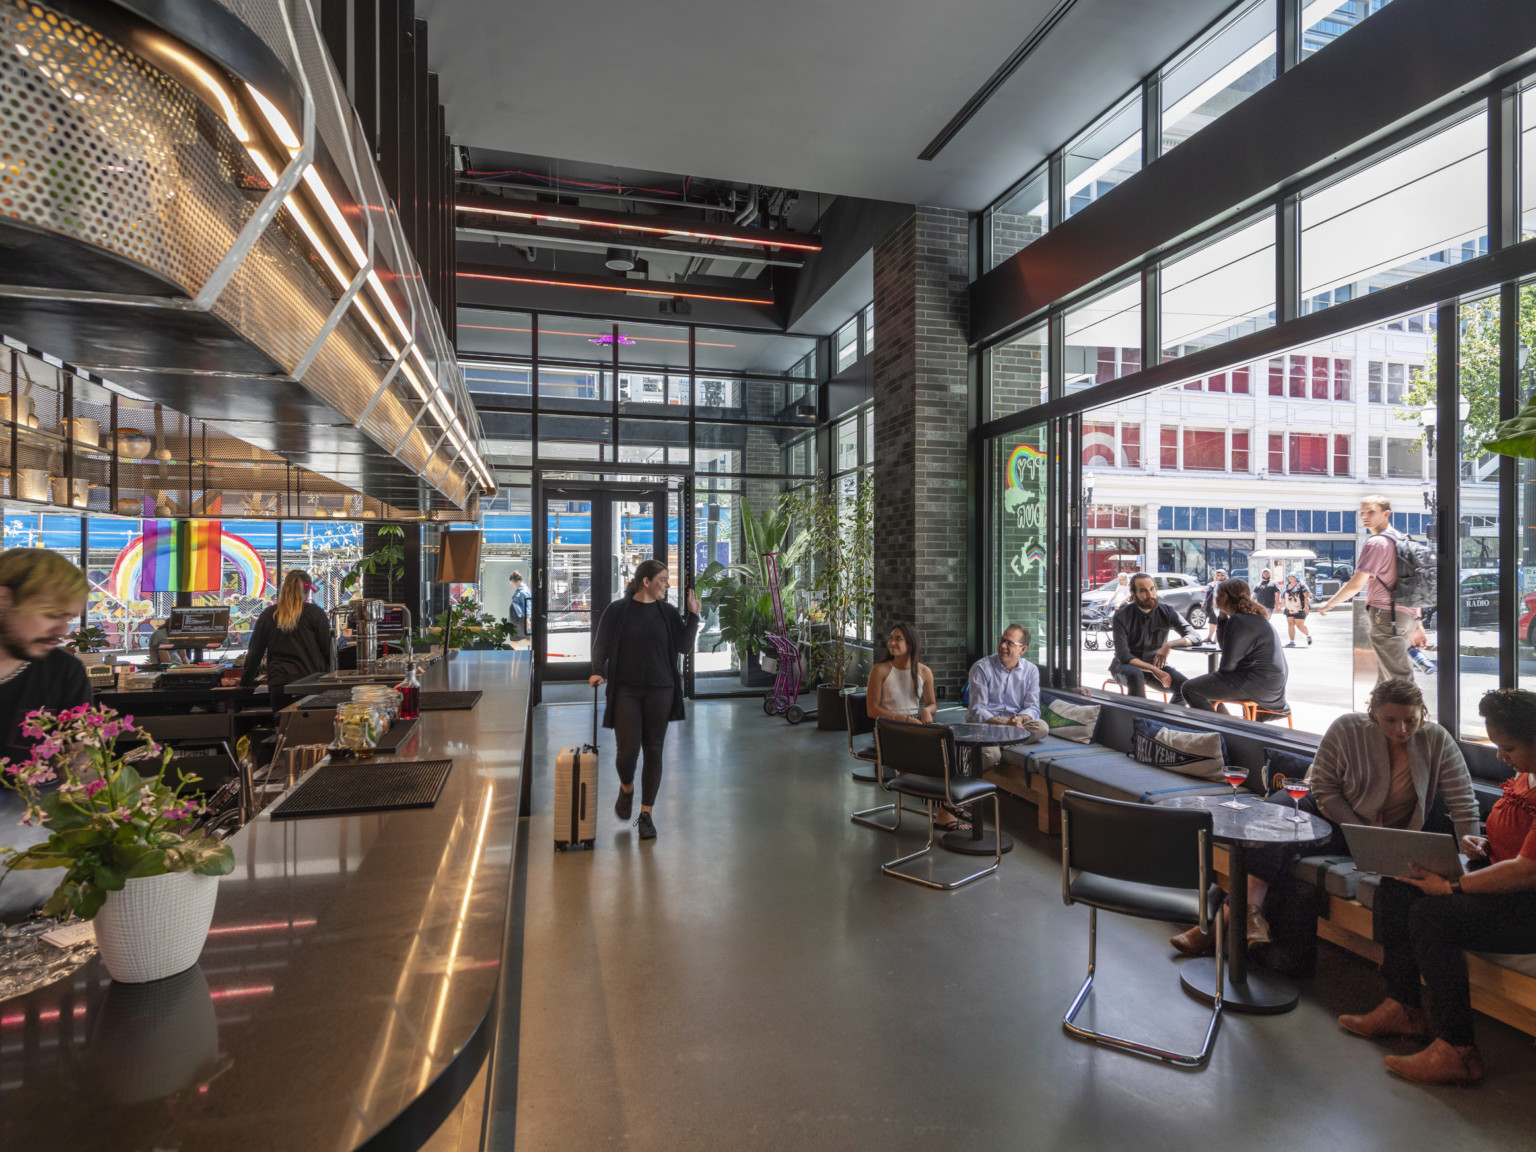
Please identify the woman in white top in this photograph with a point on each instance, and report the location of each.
(901, 688)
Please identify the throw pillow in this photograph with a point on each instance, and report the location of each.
(1279, 765)
(1074, 722)
(1187, 751)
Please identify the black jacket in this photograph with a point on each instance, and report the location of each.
(1138, 635)
(607, 653)
(290, 655)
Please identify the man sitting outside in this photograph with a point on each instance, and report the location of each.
(1005, 689)
(1141, 641)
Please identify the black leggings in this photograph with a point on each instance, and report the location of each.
(1425, 935)
(640, 718)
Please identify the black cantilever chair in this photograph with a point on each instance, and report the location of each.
(923, 764)
(1140, 860)
(860, 723)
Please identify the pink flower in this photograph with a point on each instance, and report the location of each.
(122, 814)
(94, 787)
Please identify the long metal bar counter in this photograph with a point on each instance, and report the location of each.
(347, 994)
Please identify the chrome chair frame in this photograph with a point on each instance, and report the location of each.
(866, 816)
(891, 868)
(1178, 1059)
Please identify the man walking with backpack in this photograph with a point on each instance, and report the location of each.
(1391, 569)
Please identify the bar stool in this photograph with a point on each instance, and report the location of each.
(1251, 710)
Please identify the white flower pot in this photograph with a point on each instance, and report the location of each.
(155, 927)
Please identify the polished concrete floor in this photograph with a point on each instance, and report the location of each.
(750, 980)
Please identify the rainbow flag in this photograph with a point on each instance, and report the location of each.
(182, 556)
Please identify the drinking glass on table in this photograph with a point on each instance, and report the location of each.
(1235, 775)
(1296, 788)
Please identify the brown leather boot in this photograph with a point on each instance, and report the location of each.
(1440, 1063)
(1194, 942)
(1389, 1018)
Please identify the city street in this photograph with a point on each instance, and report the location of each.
(1321, 685)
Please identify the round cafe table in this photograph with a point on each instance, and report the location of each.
(973, 738)
(1257, 825)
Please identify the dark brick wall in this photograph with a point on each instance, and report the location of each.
(921, 414)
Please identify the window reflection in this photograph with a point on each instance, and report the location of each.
(1103, 338)
(1107, 153)
(1219, 72)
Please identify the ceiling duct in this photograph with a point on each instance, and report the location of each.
(224, 244)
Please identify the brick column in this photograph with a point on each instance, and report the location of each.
(921, 414)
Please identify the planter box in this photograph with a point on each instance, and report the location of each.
(752, 674)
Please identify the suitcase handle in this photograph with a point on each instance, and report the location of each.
(594, 716)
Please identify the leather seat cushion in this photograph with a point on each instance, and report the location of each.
(961, 788)
(867, 752)
(1148, 901)
(1336, 875)
(1366, 884)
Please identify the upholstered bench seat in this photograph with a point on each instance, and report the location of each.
(1336, 875)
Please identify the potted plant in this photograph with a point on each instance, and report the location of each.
(86, 642)
(837, 531)
(387, 560)
(739, 595)
(133, 860)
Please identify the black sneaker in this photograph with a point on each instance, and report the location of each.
(647, 828)
(625, 804)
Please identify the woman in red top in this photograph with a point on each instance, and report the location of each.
(1424, 922)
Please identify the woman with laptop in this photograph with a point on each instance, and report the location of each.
(1388, 768)
(1424, 922)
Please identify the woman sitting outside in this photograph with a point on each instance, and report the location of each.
(1252, 666)
(1424, 922)
(1389, 768)
(901, 688)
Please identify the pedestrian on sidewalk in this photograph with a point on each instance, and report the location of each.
(1298, 598)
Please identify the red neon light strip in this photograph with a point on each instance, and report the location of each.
(625, 227)
(547, 332)
(618, 288)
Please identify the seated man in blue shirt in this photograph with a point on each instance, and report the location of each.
(1005, 689)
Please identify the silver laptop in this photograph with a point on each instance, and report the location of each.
(1394, 851)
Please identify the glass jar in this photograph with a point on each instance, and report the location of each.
(359, 726)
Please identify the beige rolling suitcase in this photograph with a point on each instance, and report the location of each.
(576, 792)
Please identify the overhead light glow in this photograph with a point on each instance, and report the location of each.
(657, 230)
(630, 286)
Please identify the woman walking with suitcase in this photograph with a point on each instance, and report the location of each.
(635, 650)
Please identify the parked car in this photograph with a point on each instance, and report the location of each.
(1180, 591)
(1480, 602)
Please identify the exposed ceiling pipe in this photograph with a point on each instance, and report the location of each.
(749, 213)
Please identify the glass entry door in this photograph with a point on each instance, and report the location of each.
(594, 539)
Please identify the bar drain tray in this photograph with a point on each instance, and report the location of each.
(449, 701)
(349, 787)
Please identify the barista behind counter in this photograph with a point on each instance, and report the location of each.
(41, 596)
(293, 635)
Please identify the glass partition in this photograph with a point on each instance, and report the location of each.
(496, 333)
(1018, 372)
(1020, 541)
(1528, 162)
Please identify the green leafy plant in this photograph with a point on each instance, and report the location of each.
(107, 823)
(743, 607)
(388, 559)
(88, 638)
(836, 541)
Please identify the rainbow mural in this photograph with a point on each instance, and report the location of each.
(1022, 452)
(125, 577)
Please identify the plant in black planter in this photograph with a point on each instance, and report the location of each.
(739, 597)
(836, 531)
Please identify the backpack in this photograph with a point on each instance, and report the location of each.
(1418, 577)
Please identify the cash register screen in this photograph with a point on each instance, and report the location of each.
(393, 623)
(203, 626)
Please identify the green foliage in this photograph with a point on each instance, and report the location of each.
(1517, 436)
(388, 559)
(836, 541)
(739, 594)
(107, 823)
(87, 638)
(1478, 378)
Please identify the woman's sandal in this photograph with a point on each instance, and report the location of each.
(958, 824)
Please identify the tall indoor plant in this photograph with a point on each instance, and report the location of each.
(836, 526)
(132, 858)
(739, 594)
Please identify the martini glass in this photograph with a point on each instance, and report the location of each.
(1235, 775)
(1296, 789)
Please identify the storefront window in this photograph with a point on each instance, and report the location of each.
(1021, 219)
(1417, 210)
(1528, 162)
(1218, 72)
(1019, 535)
(1323, 23)
(1221, 291)
(1018, 372)
(1107, 153)
(1479, 610)
(327, 550)
(1103, 338)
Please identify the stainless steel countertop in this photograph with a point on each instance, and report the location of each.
(349, 979)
